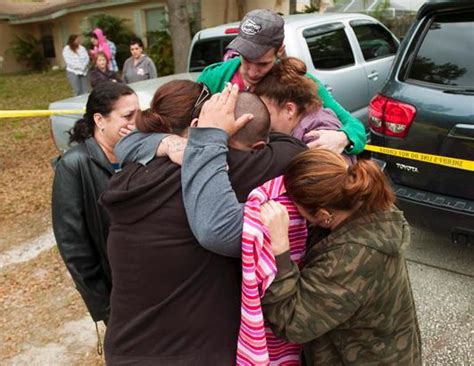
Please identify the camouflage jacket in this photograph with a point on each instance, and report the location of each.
(351, 303)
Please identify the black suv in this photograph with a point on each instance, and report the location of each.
(427, 106)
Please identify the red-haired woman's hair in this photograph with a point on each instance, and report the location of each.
(171, 110)
(319, 178)
(287, 82)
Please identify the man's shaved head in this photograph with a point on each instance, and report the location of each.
(258, 129)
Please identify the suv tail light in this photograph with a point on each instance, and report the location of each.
(232, 30)
(390, 117)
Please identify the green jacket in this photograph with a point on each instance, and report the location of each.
(215, 76)
(351, 303)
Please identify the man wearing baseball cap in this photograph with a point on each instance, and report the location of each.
(260, 44)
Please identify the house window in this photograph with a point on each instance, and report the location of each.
(156, 20)
(47, 40)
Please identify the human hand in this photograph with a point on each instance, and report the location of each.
(328, 139)
(173, 147)
(275, 217)
(218, 112)
(126, 130)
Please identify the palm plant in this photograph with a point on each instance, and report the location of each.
(28, 50)
(160, 50)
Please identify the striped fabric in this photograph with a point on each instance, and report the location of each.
(76, 62)
(257, 345)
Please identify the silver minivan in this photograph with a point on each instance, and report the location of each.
(350, 53)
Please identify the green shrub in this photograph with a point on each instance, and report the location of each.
(160, 50)
(28, 51)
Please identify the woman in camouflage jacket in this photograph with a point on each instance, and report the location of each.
(351, 302)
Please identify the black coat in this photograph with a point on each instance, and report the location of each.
(174, 302)
(80, 224)
(98, 77)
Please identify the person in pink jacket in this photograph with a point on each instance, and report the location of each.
(100, 44)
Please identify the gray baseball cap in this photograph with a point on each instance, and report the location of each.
(259, 31)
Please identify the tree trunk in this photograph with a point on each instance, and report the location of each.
(180, 33)
(226, 12)
(292, 6)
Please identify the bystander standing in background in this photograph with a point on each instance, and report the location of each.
(100, 73)
(139, 66)
(113, 51)
(77, 61)
(100, 44)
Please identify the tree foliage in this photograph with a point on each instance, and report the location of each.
(160, 50)
(116, 30)
(314, 6)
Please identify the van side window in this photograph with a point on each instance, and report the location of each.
(374, 40)
(329, 46)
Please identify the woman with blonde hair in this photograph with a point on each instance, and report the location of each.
(351, 302)
(100, 73)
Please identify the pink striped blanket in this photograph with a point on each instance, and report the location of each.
(257, 345)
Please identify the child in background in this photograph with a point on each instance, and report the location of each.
(101, 73)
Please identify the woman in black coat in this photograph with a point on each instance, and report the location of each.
(80, 225)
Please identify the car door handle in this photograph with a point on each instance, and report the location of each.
(374, 75)
(328, 88)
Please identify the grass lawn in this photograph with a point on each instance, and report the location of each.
(26, 149)
(38, 297)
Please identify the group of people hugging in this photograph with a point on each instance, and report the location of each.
(231, 223)
(104, 65)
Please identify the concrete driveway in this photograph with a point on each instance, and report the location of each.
(442, 279)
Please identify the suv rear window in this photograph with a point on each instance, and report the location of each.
(446, 54)
(207, 52)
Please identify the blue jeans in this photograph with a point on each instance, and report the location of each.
(79, 83)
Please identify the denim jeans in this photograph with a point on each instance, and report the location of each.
(79, 83)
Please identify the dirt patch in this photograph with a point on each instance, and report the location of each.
(43, 320)
(43, 317)
(26, 178)
(26, 149)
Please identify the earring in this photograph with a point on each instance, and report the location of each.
(329, 220)
(102, 129)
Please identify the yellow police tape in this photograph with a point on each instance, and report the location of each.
(413, 155)
(426, 158)
(39, 113)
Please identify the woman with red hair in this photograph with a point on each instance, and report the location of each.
(351, 302)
